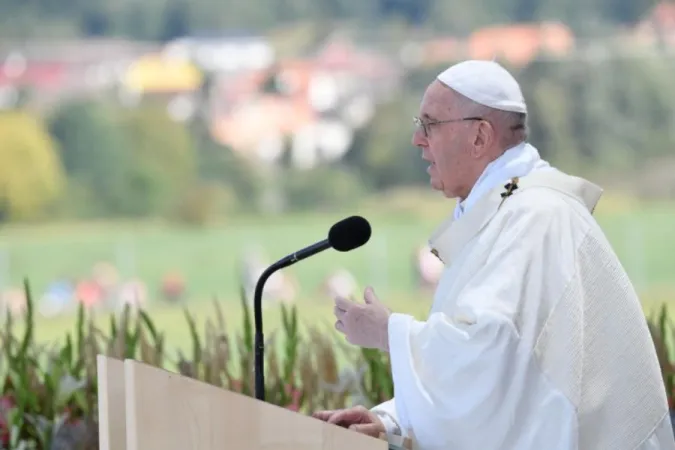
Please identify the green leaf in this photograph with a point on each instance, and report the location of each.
(67, 352)
(28, 332)
(79, 327)
(247, 326)
(196, 344)
(150, 326)
(113, 328)
(8, 340)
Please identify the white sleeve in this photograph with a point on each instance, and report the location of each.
(465, 379)
(387, 414)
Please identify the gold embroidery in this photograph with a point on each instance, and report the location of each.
(510, 187)
(435, 253)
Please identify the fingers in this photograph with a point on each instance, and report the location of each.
(370, 429)
(343, 304)
(340, 310)
(347, 417)
(323, 415)
(338, 417)
(369, 296)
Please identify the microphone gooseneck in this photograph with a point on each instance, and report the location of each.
(259, 340)
(344, 236)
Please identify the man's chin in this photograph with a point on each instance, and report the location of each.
(436, 186)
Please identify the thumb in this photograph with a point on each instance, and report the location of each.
(370, 297)
(370, 429)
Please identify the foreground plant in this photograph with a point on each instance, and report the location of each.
(49, 400)
(49, 392)
(663, 335)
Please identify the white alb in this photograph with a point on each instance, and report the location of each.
(536, 338)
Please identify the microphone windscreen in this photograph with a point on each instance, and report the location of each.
(349, 233)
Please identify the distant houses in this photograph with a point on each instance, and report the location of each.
(262, 105)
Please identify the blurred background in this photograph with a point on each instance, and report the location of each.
(163, 153)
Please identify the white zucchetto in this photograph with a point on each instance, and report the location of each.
(486, 83)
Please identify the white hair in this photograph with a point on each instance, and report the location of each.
(514, 125)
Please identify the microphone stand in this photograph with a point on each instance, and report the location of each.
(259, 361)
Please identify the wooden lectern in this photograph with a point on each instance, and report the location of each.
(145, 408)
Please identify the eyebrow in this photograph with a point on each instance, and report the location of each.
(427, 116)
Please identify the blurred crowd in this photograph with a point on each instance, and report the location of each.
(106, 289)
(103, 289)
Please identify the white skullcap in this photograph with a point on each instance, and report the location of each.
(486, 83)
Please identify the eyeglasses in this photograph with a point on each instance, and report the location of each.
(425, 125)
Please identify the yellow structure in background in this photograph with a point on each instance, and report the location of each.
(157, 74)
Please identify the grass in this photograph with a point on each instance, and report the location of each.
(172, 319)
(208, 258)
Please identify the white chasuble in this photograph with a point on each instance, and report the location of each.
(536, 339)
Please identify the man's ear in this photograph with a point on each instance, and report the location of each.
(483, 138)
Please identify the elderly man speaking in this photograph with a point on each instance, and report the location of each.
(536, 339)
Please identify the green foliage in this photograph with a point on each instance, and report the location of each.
(140, 163)
(663, 334)
(610, 115)
(377, 382)
(91, 150)
(609, 120)
(49, 392)
(384, 153)
(156, 19)
(202, 202)
(31, 176)
(123, 162)
(162, 160)
(322, 187)
(219, 166)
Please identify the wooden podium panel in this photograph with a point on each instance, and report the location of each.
(111, 404)
(166, 411)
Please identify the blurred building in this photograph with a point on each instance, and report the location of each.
(656, 29)
(47, 72)
(515, 44)
(175, 81)
(223, 53)
(310, 107)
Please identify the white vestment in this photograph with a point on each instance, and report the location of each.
(536, 339)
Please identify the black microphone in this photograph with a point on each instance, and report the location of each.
(344, 236)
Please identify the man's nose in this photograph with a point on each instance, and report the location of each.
(418, 138)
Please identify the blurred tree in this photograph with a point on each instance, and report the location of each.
(321, 188)
(611, 113)
(383, 152)
(175, 20)
(159, 19)
(220, 166)
(455, 18)
(625, 12)
(139, 20)
(525, 10)
(414, 11)
(162, 161)
(31, 176)
(95, 18)
(90, 146)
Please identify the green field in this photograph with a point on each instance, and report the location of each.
(208, 257)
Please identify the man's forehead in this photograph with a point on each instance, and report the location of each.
(437, 99)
